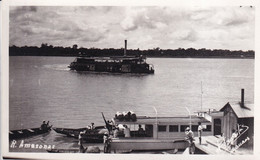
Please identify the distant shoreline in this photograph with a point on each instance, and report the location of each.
(74, 51)
(209, 57)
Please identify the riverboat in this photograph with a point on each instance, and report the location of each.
(161, 133)
(23, 133)
(116, 64)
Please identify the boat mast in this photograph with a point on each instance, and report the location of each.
(201, 96)
(189, 115)
(156, 122)
(125, 47)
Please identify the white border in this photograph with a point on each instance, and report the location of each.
(5, 74)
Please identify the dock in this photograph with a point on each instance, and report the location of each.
(213, 145)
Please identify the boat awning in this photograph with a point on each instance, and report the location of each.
(164, 120)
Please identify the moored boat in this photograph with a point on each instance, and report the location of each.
(94, 135)
(23, 133)
(159, 133)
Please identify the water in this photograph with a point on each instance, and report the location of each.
(43, 88)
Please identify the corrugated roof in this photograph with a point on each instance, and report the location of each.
(242, 112)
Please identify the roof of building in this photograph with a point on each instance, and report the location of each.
(242, 112)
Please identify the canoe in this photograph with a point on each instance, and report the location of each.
(23, 133)
(90, 135)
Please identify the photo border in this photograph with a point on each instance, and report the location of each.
(5, 75)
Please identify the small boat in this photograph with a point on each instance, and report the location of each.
(90, 135)
(23, 133)
(116, 64)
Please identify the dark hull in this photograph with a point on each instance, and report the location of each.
(17, 134)
(63, 151)
(90, 136)
(112, 67)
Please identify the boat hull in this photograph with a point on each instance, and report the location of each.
(112, 68)
(90, 136)
(63, 151)
(17, 134)
(119, 145)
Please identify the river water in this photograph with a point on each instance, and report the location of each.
(43, 88)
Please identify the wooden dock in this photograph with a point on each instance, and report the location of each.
(212, 145)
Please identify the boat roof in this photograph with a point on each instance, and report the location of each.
(114, 58)
(164, 120)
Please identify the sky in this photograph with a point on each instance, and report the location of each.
(144, 27)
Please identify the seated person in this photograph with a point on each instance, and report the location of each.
(92, 126)
(44, 125)
(116, 132)
(140, 130)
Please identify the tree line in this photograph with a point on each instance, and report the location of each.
(74, 51)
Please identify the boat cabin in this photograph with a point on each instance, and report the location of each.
(159, 133)
(168, 127)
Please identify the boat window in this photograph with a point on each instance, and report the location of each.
(208, 128)
(183, 127)
(194, 127)
(149, 130)
(162, 128)
(173, 128)
(141, 130)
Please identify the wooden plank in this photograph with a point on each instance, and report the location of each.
(209, 148)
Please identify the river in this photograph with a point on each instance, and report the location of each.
(43, 88)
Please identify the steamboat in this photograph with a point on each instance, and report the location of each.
(116, 64)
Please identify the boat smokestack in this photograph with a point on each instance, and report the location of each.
(125, 47)
(242, 98)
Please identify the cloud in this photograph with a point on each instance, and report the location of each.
(146, 27)
(50, 24)
(141, 17)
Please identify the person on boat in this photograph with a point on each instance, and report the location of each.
(121, 127)
(107, 140)
(140, 130)
(116, 132)
(44, 125)
(109, 126)
(81, 148)
(105, 137)
(233, 139)
(92, 126)
(127, 131)
(190, 138)
(200, 131)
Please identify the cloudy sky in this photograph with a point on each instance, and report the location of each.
(227, 27)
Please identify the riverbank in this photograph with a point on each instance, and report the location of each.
(49, 50)
(206, 57)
